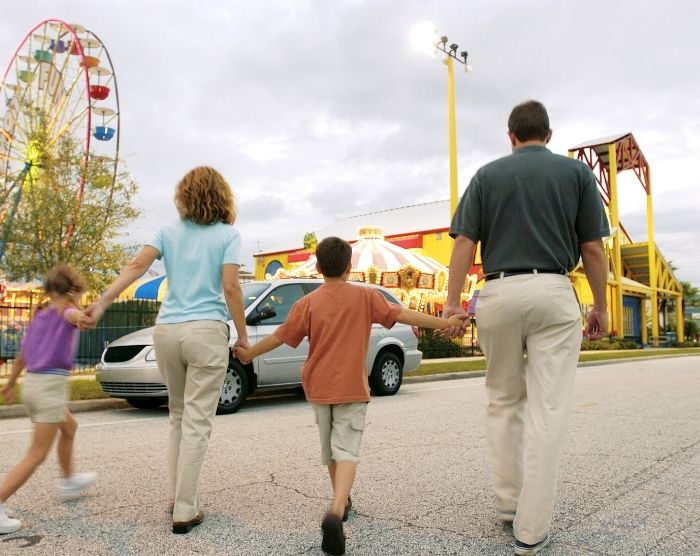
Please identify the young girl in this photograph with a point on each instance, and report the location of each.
(48, 353)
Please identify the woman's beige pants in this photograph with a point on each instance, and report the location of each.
(192, 357)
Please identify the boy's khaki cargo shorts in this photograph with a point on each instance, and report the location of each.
(340, 428)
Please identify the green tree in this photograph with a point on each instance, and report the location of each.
(52, 225)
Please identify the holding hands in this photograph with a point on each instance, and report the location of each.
(458, 319)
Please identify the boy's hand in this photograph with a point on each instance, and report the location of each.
(241, 354)
(8, 392)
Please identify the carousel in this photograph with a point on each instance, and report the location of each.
(419, 281)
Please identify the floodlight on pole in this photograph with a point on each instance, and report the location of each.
(424, 38)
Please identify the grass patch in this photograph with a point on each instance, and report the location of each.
(438, 368)
(80, 389)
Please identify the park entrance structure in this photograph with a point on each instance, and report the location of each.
(638, 271)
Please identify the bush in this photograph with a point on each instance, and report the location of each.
(608, 344)
(436, 346)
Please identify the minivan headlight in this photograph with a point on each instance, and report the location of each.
(151, 354)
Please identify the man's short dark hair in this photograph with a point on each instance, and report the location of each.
(333, 256)
(529, 121)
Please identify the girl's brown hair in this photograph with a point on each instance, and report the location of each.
(63, 279)
(205, 197)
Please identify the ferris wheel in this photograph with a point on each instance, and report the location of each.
(59, 84)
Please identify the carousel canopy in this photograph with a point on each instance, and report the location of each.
(380, 262)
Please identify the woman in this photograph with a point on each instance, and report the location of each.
(202, 257)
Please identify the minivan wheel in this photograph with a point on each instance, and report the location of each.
(387, 375)
(234, 390)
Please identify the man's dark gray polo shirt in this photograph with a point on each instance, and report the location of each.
(531, 209)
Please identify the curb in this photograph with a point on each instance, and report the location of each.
(17, 410)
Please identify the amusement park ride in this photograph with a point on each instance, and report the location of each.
(60, 83)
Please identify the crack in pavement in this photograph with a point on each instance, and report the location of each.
(635, 481)
(672, 533)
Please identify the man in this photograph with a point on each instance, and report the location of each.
(535, 213)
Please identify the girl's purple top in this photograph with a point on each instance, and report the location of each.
(50, 342)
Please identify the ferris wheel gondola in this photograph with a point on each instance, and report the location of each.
(60, 83)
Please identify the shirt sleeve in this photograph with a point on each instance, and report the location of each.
(467, 218)
(591, 220)
(295, 328)
(232, 250)
(382, 311)
(67, 312)
(157, 242)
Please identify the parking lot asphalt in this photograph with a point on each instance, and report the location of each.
(628, 481)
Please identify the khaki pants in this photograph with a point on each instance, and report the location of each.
(192, 357)
(528, 398)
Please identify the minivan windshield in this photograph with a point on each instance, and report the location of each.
(253, 290)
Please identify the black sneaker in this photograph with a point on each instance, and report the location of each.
(522, 549)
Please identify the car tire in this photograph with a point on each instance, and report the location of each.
(146, 403)
(234, 390)
(387, 374)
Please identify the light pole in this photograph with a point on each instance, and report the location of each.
(425, 39)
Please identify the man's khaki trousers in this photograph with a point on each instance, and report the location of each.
(192, 357)
(529, 327)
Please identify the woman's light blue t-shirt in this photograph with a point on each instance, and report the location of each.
(193, 255)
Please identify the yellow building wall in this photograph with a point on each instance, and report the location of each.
(438, 245)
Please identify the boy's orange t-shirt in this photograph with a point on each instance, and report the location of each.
(337, 318)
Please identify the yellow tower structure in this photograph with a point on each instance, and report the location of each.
(636, 268)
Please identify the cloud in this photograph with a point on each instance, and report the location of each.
(316, 111)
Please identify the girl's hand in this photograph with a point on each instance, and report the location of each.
(8, 392)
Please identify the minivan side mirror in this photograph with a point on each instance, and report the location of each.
(264, 314)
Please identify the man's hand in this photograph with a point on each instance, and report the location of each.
(597, 324)
(8, 392)
(458, 328)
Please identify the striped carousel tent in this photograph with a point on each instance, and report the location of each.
(153, 288)
(377, 261)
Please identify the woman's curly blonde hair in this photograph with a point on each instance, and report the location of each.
(205, 197)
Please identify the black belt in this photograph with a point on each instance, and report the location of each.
(506, 273)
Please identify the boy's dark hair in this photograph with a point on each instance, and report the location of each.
(529, 120)
(333, 256)
(63, 279)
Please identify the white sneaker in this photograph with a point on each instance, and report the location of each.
(74, 485)
(7, 524)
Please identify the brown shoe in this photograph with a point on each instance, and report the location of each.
(183, 527)
(333, 537)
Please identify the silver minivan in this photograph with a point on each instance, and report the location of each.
(128, 368)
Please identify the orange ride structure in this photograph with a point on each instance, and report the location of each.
(637, 270)
(59, 84)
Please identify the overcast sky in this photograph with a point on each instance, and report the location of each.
(319, 110)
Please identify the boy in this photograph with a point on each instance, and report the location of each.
(337, 318)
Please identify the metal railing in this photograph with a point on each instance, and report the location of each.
(119, 319)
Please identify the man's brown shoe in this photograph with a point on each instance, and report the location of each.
(183, 527)
(333, 537)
